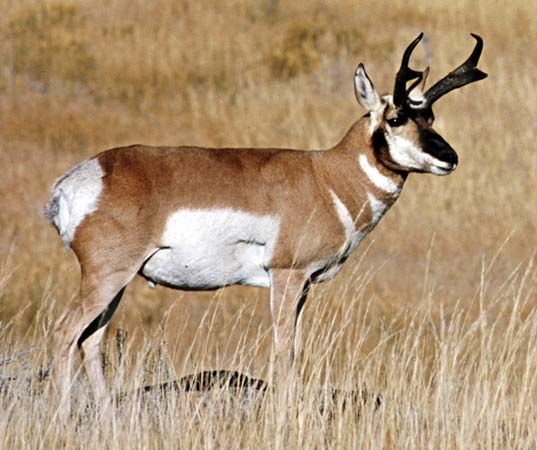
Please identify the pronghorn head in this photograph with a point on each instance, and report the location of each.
(401, 125)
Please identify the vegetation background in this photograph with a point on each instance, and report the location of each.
(435, 310)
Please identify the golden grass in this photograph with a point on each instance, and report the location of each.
(422, 316)
(449, 381)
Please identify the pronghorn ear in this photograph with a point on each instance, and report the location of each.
(366, 94)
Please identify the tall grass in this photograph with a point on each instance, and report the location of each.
(436, 309)
(458, 380)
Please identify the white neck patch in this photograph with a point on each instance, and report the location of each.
(378, 208)
(344, 215)
(352, 236)
(377, 178)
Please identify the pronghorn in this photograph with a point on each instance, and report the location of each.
(204, 218)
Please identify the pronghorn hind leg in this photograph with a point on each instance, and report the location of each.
(288, 293)
(90, 342)
(101, 286)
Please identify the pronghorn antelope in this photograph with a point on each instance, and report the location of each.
(203, 218)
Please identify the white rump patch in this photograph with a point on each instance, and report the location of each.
(75, 195)
(208, 249)
(377, 178)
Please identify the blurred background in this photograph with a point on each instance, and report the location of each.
(78, 77)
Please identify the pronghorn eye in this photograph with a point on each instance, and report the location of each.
(397, 121)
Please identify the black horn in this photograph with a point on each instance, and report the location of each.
(465, 74)
(406, 74)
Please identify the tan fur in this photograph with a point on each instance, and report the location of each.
(113, 210)
(143, 185)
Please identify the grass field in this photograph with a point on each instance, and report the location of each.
(436, 309)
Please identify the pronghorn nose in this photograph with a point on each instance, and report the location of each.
(436, 146)
(449, 155)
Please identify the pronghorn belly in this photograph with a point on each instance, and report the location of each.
(173, 267)
(208, 249)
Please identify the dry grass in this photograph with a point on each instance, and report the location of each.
(437, 314)
(448, 381)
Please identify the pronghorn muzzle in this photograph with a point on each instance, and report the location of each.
(436, 146)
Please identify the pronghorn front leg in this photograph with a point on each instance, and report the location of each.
(288, 290)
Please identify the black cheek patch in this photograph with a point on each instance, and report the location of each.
(378, 140)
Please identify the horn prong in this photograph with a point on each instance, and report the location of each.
(464, 74)
(406, 74)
